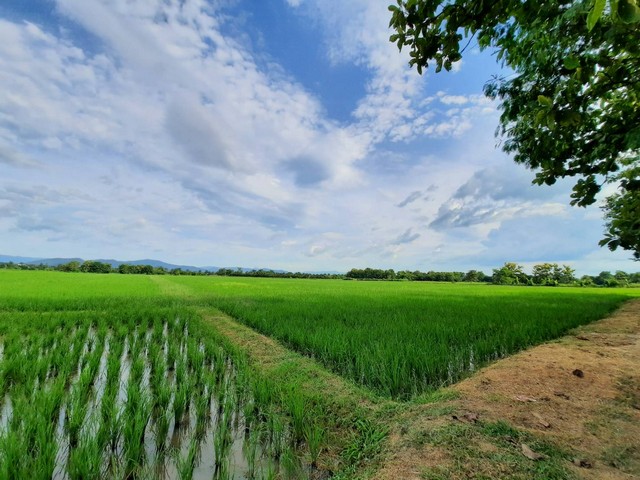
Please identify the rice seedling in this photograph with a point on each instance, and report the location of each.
(161, 429)
(297, 409)
(314, 437)
(186, 464)
(133, 431)
(77, 407)
(251, 453)
(85, 460)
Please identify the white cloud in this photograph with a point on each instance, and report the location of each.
(170, 132)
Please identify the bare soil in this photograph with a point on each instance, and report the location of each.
(580, 393)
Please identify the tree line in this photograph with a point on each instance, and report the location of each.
(546, 274)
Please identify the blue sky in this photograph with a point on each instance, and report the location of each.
(281, 133)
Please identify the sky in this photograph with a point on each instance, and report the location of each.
(287, 134)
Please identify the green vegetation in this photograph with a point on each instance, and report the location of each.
(128, 376)
(109, 379)
(401, 339)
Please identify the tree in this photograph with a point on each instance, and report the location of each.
(510, 274)
(622, 214)
(72, 266)
(474, 276)
(543, 273)
(571, 107)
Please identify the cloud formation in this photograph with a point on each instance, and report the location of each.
(129, 127)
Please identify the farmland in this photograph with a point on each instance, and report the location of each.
(122, 376)
(401, 339)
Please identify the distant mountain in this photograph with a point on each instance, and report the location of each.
(170, 266)
(54, 262)
(10, 258)
(246, 270)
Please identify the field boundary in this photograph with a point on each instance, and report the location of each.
(575, 399)
(342, 402)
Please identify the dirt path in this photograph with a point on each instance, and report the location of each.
(575, 400)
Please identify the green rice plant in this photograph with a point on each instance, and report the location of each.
(222, 439)
(77, 407)
(290, 463)
(185, 465)
(161, 430)
(297, 409)
(137, 369)
(277, 434)
(269, 470)
(203, 415)
(314, 436)
(222, 470)
(251, 452)
(180, 403)
(85, 460)
(133, 432)
(172, 355)
(48, 401)
(13, 458)
(162, 397)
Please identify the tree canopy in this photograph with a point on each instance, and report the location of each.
(571, 107)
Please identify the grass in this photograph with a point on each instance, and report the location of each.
(402, 339)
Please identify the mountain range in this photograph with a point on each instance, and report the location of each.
(54, 262)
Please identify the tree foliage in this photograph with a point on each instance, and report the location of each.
(571, 108)
(510, 274)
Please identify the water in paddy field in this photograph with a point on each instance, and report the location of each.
(150, 403)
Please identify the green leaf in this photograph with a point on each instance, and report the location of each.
(596, 13)
(571, 62)
(551, 121)
(545, 101)
(628, 11)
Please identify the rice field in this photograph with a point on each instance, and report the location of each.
(122, 386)
(401, 339)
(118, 376)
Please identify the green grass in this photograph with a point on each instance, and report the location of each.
(401, 339)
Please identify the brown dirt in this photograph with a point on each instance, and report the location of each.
(581, 393)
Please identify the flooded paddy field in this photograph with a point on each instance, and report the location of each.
(143, 397)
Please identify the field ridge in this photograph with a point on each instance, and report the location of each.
(578, 397)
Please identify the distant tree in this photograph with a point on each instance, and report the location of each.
(622, 277)
(510, 274)
(543, 274)
(564, 275)
(474, 276)
(72, 266)
(602, 278)
(586, 281)
(93, 266)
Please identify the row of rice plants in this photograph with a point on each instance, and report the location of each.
(401, 339)
(86, 397)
